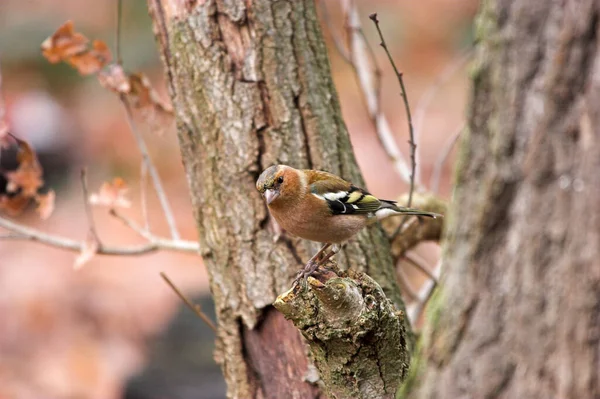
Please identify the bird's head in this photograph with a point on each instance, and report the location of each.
(275, 181)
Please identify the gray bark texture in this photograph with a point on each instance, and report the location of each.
(251, 86)
(518, 314)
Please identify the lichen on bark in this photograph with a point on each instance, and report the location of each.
(355, 334)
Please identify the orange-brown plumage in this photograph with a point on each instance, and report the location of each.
(320, 206)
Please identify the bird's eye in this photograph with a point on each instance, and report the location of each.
(280, 179)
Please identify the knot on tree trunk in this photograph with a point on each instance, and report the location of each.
(355, 334)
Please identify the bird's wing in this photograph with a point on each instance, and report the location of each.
(343, 197)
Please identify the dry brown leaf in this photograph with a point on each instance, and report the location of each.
(143, 95)
(45, 204)
(111, 194)
(14, 205)
(64, 43)
(147, 108)
(89, 250)
(73, 47)
(28, 176)
(92, 61)
(154, 115)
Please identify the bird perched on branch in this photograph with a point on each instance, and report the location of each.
(322, 207)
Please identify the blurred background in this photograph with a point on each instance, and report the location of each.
(114, 329)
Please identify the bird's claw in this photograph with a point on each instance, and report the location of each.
(309, 269)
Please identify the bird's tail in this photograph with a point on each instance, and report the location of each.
(389, 208)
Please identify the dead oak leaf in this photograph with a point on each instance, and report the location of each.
(91, 61)
(45, 204)
(147, 108)
(14, 205)
(111, 194)
(64, 43)
(155, 115)
(73, 47)
(28, 176)
(143, 95)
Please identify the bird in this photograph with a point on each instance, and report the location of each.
(319, 206)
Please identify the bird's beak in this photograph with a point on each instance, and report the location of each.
(271, 195)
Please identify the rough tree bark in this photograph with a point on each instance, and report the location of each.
(251, 86)
(519, 312)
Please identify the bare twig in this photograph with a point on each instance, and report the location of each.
(12, 237)
(441, 159)
(160, 192)
(337, 41)
(88, 208)
(407, 286)
(21, 233)
(413, 145)
(144, 233)
(415, 310)
(368, 74)
(419, 263)
(143, 197)
(193, 307)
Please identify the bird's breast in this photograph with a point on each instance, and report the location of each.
(319, 226)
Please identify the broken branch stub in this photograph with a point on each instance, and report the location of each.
(355, 334)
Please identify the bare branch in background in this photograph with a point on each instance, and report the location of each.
(20, 233)
(143, 194)
(406, 286)
(156, 181)
(368, 74)
(415, 310)
(193, 307)
(147, 161)
(427, 97)
(420, 264)
(413, 145)
(442, 157)
(86, 204)
(25, 233)
(337, 40)
(411, 131)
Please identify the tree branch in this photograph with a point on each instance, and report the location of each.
(415, 310)
(88, 209)
(416, 230)
(194, 307)
(419, 263)
(160, 192)
(340, 314)
(22, 233)
(411, 131)
(365, 67)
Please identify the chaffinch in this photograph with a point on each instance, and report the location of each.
(322, 207)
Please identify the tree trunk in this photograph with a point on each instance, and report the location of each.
(251, 87)
(519, 312)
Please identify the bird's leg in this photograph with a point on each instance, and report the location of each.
(319, 255)
(334, 250)
(313, 263)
